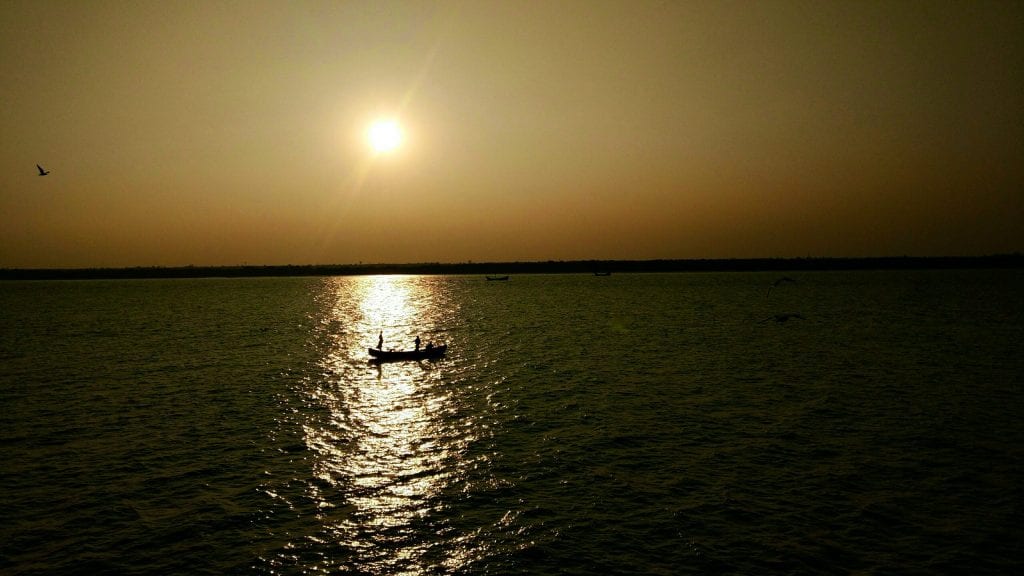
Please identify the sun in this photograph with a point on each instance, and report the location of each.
(384, 135)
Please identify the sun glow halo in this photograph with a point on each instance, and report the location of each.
(384, 135)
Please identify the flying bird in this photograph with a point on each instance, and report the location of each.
(783, 317)
(41, 171)
(782, 280)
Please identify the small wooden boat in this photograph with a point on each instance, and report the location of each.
(494, 278)
(421, 354)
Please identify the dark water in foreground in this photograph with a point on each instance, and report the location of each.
(634, 424)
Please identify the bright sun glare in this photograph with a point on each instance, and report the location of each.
(384, 135)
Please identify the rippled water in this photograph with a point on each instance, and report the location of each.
(631, 424)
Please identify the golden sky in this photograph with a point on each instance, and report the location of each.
(213, 133)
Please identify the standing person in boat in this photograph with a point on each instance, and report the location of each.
(380, 341)
(417, 343)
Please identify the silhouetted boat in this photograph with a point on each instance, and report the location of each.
(602, 273)
(493, 278)
(422, 353)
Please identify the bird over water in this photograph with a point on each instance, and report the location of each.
(783, 317)
(41, 171)
(783, 280)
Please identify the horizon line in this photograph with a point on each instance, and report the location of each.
(808, 263)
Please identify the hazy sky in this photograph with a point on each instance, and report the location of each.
(215, 133)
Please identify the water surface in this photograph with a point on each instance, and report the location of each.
(637, 423)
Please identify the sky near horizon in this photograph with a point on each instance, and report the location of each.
(223, 133)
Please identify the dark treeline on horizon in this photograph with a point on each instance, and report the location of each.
(1015, 260)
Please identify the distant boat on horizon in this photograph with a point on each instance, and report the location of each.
(602, 273)
(497, 278)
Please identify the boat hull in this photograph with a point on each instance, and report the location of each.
(421, 354)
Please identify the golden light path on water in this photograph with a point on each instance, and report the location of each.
(388, 446)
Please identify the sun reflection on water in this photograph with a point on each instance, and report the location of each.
(383, 450)
(388, 300)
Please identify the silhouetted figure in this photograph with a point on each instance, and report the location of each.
(380, 341)
(417, 343)
(430, 345)
(783, 280)
(783, 317)
(41, 171)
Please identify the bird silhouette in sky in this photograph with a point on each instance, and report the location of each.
(41, 171)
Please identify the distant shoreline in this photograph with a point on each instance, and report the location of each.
(547, 267)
